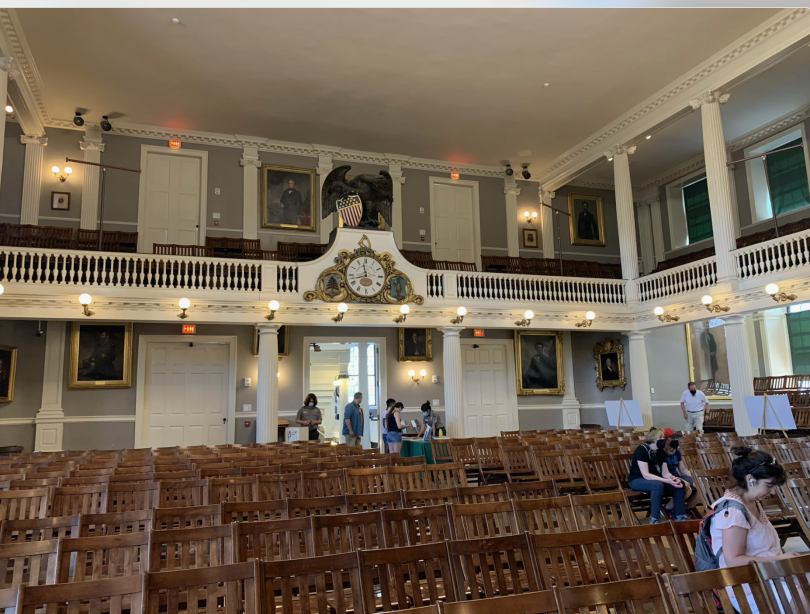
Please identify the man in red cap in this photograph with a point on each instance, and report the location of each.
(678, 468)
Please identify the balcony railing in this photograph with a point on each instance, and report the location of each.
(781, 254)
(679, 280)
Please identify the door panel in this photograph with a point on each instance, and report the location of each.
(454, 223)
(172, 201)
(489, 392)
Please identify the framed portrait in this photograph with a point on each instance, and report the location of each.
(539, 362)
(415, 345)
(288, 197)
(8, 370)
(587, 222)
(101, 355)
(609, 357)
(530, 238)
(282, 341)
(60, 201)
(707, 354)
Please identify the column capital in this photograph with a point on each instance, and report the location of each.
(451, 331)
(545, 195)
(26, 139)
(618, 150)
(324, 165)
(250, 162)
(709, 97)
(395, 170)
(733, 320)
(91, 146)
(268, 329)
(8, 65)
(637, 335)
(250, 157)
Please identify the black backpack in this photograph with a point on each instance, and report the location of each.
(705, 558)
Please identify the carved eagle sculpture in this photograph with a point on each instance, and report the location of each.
(375, 192)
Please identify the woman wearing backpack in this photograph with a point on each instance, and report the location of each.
(740, 531)
(648, 473)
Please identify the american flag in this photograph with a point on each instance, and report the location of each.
(350, 209)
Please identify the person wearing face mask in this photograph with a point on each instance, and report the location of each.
(310, 415)
(649, 474)
(672, 456)
(430, 423)
(694, 406)
(741, 532)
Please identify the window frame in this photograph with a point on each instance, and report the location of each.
(676, 212)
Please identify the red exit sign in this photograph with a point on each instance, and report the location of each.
(478, 332)
(189, 329)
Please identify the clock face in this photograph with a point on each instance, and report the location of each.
(365, 276)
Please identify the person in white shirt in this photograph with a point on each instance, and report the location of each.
(694, 406)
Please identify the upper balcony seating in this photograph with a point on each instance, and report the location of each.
(677, 261)
(226, 247)
(57, 237)
(301, 252)
(767, 235)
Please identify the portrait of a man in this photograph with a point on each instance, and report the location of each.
(288, 197)
(586, 221)
(414, 345)
(8, 367)
(610, 367)
(538, 358)
(101, 355)
(609, 357)
(708, 357)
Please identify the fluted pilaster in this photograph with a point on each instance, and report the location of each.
(267, 384)
(645, 235)
(327, 223)
(395, 170)
(640, 375)
(453, 381)
(511, 192)
(546, 222)
(6, 68)
(50, 417)
(570, 403)
(250, 164)
(624, 215)
(740, 376)
(32, 178)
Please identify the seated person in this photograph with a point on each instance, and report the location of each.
(431, 423)
(649, 474)
(674, 459)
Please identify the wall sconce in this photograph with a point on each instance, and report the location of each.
(707, 300)
(84, 301)
(184, 304)
(273, 307)
(342, 309)
(659, 311)
(461, 311)
(586, 323)
(417, 378)
(527, 318)
(60, 175)
(404, 310)
(530, 217)
(779, 297)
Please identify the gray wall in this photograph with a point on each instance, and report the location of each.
(61, 144)
(12, 179)
(608, 254)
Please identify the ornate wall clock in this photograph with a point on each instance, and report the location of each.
(364, 276)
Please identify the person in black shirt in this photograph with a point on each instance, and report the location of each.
(394, 426)
(648, 473)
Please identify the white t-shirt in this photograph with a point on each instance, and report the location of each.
(694, 403)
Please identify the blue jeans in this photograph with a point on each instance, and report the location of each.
(657, 490)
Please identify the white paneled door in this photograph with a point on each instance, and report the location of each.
(490, 396)
(186, 393)
(172, 185)
(454, 224)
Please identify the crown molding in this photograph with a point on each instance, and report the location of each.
(32, 113)
(776, 126)
(594, 185)
(673, 173)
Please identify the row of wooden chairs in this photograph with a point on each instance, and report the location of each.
(58, 237)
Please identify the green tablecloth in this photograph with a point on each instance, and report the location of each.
(417, 447)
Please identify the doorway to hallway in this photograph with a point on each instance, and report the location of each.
(490, 389)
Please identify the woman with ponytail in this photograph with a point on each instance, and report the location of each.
(649, 474)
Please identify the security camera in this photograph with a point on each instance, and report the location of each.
(509, 171)
(78, 120)
(526, 174)
(40, 332)
(106, 126)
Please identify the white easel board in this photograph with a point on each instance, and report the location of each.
(781, 406)
(630, 413)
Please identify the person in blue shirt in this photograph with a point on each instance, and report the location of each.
(672, 456)
(353, 421)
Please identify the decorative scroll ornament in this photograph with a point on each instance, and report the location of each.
(609, 357)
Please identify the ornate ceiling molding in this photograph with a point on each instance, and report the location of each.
(763, 132)
(673, 173)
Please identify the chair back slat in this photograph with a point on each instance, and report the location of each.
(416, 525)
(541, 516)
(335, 534)
(38, 529)
(252, 511)
(116, 596)
(190, 548)
(642, 552)
(186, 517)
(115, 523)
(737, 588)
(602, 510)
(31, 563)
(625, 596)
(573, 559)
(316, 506)
(479, 520)
(273, 540)
(97, 558)
(22, 504)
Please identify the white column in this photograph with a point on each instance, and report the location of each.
(657, 230)
(453, 381)
(570, 404)
(328, 223)
(645, 235)
(250, 164)
(511, 192)
(395, 170)
(92, 146)
(732, 184)
(624, 213)
(775, 342)
(640, 375)
(50, 417)
(267, 384)
(546, 222)
(740, 376)
(714, 152)
(32, 178)
(6, 67)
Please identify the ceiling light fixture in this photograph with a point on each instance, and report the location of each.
(404, 310)
(648, 137)
(273, 307)
(509, 170)
(175, 20)
(708, 300)
(527, 318)
(9, 109)
(461, 312)
(78, 120)
(84, 301)
(779, 297)
(586, 323)
(342, 309)
(106, 126)
(184, 304)
(526, 174)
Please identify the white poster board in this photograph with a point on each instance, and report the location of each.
(781, 412)
(630, 413)
(292, 433)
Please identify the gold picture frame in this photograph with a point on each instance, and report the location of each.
(409, 347)
(609, 357)
(8, 372)
(582, 222)
(283, 341)
(295, 210)
(713, 389)
(539, 371)
(100, 355)
(530, 238)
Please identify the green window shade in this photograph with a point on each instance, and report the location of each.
(698, 212)
(799, 334)
(787, 176)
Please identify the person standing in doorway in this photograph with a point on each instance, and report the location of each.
(310, 415)
(353, 421)
(694, 406)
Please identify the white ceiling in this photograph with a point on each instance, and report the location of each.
(461, 85)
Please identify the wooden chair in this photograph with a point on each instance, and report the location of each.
(38, 529)
(532, 490)
(221, 490)
(274, 540)
(541, 602)
(22, 504)
(316, 506)
(441, 450)
(370, 502)
(338, 533)
(186, 517)
(323, 483)
(403, 461)
(518, 463)
(409, 477)
(287, 586)
(602, 510)
(464, 451)
(787, 583)
(698, 592)
(543, 516)
(626, 596)
(182, 493)
(362, 480)
(115, 523)
(484, 568)
(96, 558)
(190, 548)
(713, 458)
(416, 525)
(116, 596)
(554, 466)
(599, 472)
(421, 498)
(712, 483)
(686, 533)
(131, 496)
(445, 475)
(280, 486)
(31, 563)
(642, 552)
(253, 511)
(491, 464)
(483, 494)
(29, 482)
(479, 520)
(68, 500)
(573, 559)
(410, 576)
